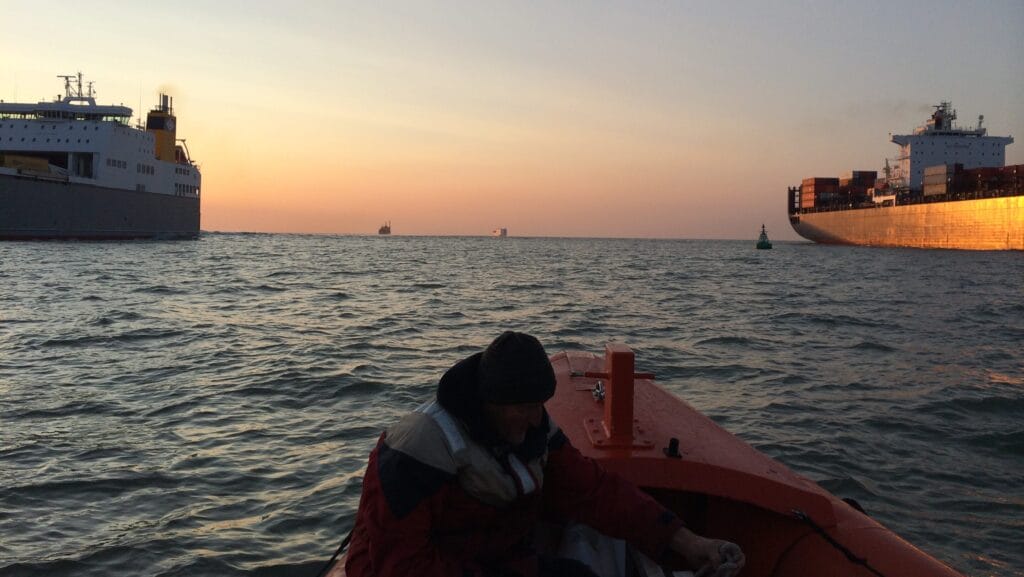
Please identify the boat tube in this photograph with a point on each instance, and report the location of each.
(786, 524)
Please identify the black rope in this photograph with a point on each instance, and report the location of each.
(344, 543)
(839, 546)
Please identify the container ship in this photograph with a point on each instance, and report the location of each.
(73, 169)
(948, 187)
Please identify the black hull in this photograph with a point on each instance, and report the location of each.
(37, 209)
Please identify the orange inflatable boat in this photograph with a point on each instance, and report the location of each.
(786, 524)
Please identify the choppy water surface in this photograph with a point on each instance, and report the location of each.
(206, 408)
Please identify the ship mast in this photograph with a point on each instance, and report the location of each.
(73, 88)
(67, 83)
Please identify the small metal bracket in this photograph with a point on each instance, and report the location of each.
(597, 432)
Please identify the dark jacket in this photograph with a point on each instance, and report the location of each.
(442, 497)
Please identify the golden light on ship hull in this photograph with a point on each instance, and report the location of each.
(983, 224)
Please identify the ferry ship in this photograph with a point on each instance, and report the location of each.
(74, 169)
(948, 188)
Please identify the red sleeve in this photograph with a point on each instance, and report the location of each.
(394, 521)
(577, 488)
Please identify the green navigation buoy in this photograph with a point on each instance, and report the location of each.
(762, 241)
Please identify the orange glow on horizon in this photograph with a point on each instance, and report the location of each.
(629, 120)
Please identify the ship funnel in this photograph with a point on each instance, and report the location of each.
(160, 122)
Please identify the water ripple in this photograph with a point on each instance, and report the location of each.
(206, 408)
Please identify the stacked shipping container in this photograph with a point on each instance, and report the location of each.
(939, 179)
(955, 179)
(818, 191)
(854, 185)
(992, 179)
(855, 188)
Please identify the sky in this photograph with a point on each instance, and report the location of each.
(594, 119)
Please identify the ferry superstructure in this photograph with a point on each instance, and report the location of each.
(948, 187)
(74, 169)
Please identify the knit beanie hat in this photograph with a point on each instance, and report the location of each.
(515, 369)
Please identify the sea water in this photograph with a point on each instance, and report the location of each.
(206, 407)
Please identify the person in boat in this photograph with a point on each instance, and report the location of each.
(466, 484)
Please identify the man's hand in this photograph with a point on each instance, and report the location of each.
(708, 557)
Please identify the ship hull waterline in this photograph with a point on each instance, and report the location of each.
(41, 209)
(979, 224)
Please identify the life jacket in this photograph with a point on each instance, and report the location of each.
(494, 475)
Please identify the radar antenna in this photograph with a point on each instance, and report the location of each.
(68, 91)
(73, 86)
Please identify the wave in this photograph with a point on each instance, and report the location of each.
(102, 339)
(1009, 442)
(114, 317)
(977, 406)
(737, 342)
(160, 290)
(419, 286)
(73, 408)
(743, 341)
(873, 346)
(82, 488)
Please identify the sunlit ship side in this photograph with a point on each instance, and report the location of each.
(73, 169)
(948, 188)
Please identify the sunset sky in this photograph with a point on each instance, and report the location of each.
(626, 119)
